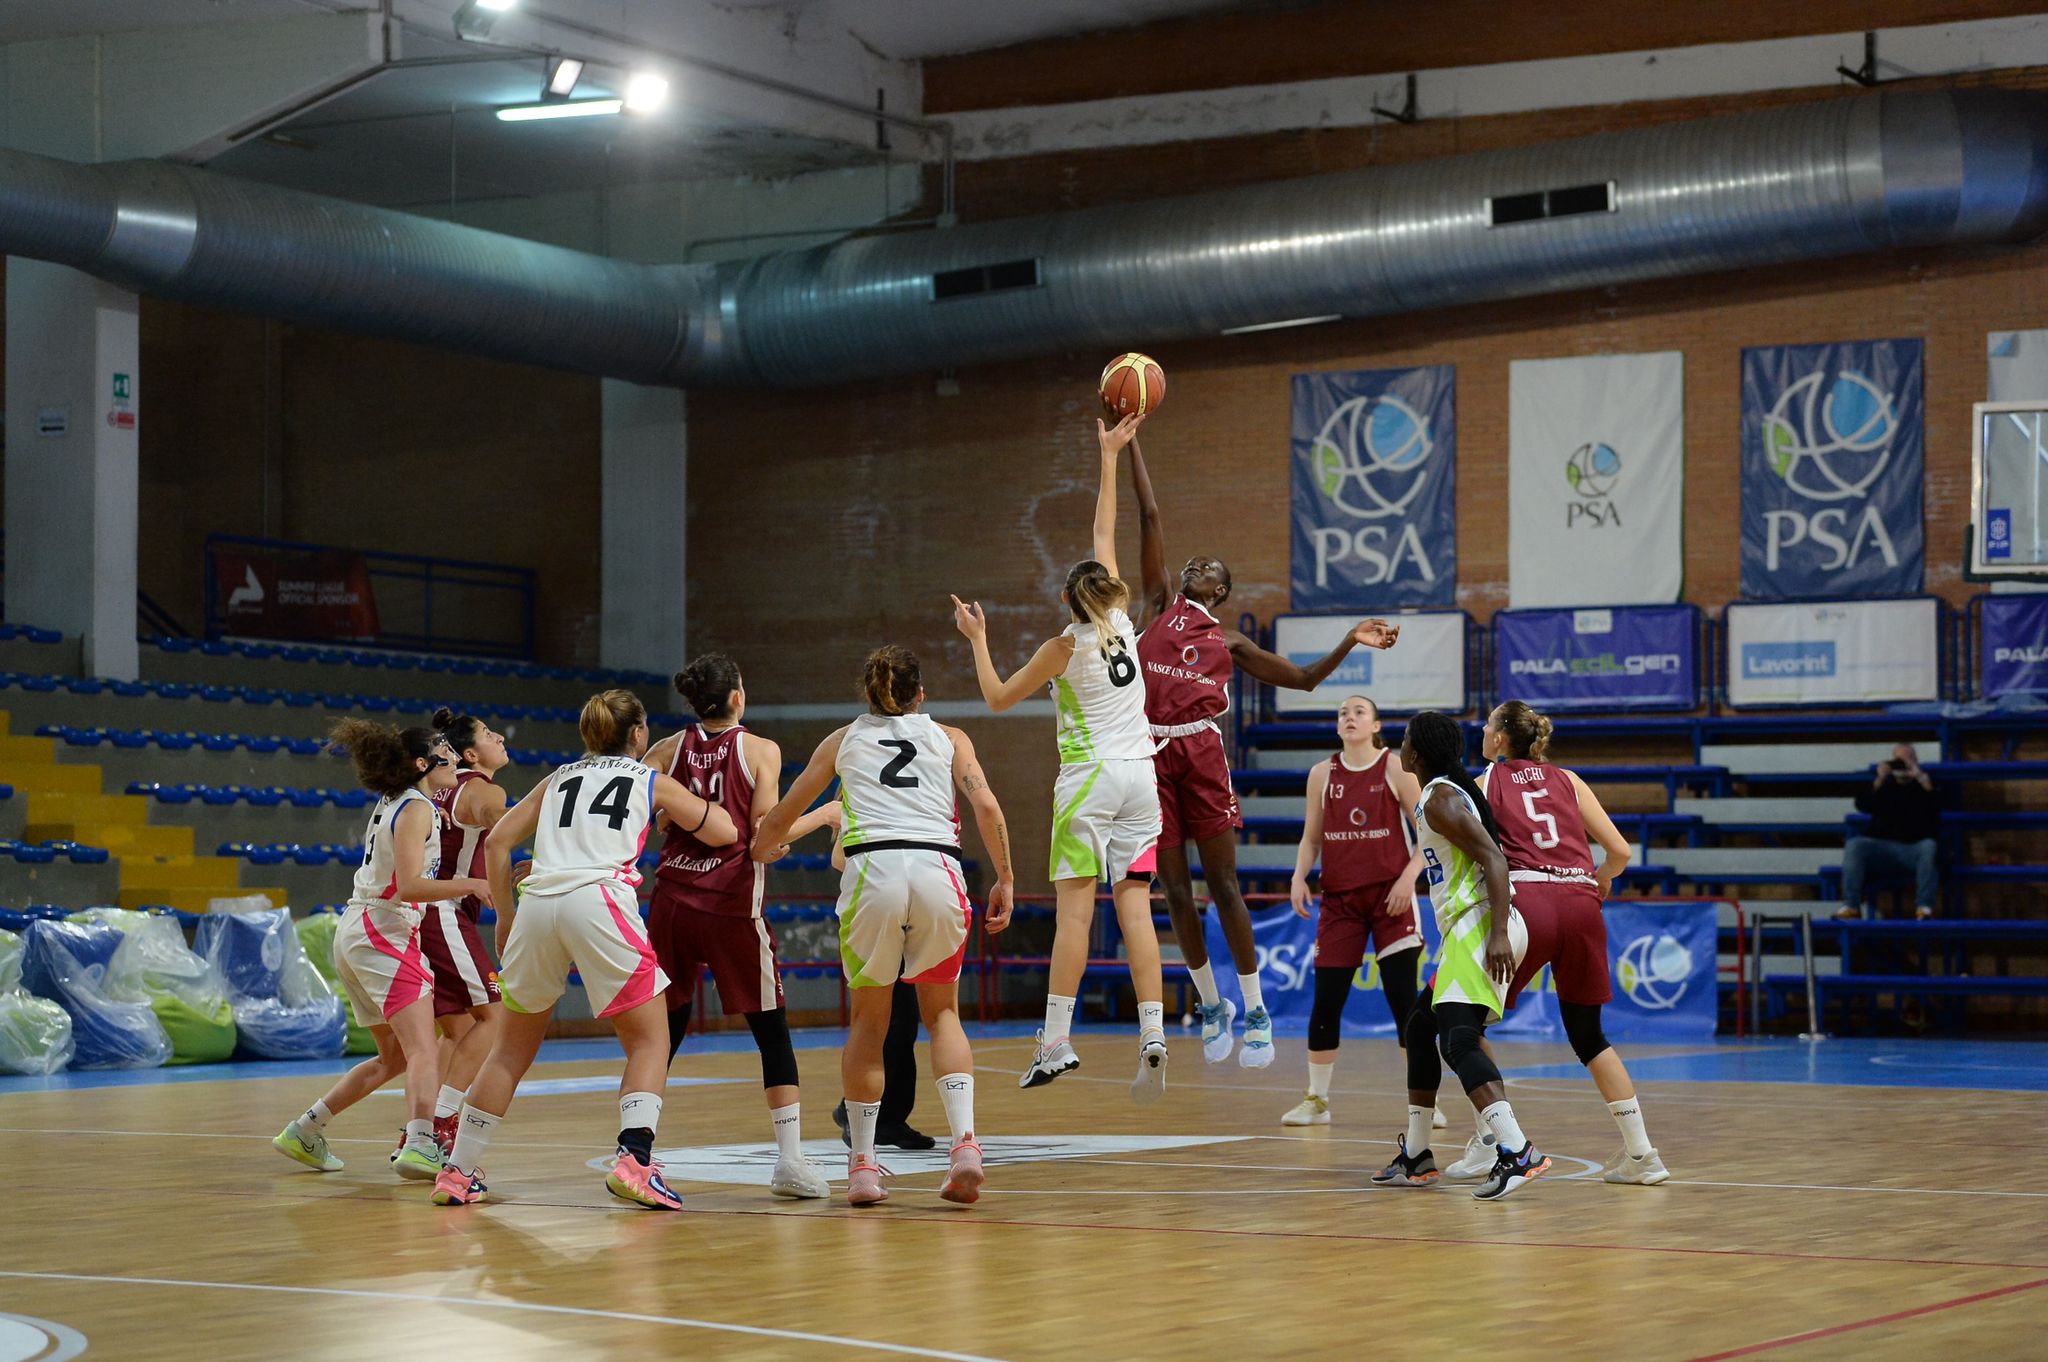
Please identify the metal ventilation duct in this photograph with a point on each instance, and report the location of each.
(1801, 182)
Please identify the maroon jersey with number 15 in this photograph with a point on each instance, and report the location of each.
(1187, 666)
(714, 879)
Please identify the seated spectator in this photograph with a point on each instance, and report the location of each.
(1905, 816)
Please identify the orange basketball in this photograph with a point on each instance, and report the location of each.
(1132, 385)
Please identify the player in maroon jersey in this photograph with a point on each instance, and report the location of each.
(1547, 816)
(1360, 805)
(706, 910)
(1188, 657)
(451, 933)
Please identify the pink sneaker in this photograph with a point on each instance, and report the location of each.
(963, 1183)
(864, 1181)
(641, 1184)
(457, 1188)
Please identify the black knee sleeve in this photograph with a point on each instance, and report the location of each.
(1399, 980)
(778, 1056)
(678, 1027)
(1326, 1013)
(1425, 1069)
(1582, 1029)
(1463, 1024)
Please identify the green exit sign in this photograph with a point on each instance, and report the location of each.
(120, 387)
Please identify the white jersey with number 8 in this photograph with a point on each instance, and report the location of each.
(896, 782)
(593, 825)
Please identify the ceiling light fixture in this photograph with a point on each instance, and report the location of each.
(1281, 326)
(574, 108)
(563, 73)
(473, 19)
(645, 92)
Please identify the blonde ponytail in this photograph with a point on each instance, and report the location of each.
(1092, 593)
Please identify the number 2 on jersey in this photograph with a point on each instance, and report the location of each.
(892, 774)
(1548, 839)
(613, 801)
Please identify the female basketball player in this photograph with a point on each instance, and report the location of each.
(1188, 656)
(706, 910)
(1484, 941)
(588, 821)
(451, 937)
(903, 909)
(1545, 814)
(1360, 802)
(377, 948)
(1106, 799)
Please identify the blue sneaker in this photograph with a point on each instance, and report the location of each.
(1216, 1024)
(1258, 1039)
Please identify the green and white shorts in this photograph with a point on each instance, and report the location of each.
(1461, 975)
(1105, 815)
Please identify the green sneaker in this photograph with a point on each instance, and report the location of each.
(314, 1153)
(420, 1161)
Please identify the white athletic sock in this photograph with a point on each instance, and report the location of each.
(1628, 1114)
(957, 1092)
(1479, 1119)
(1205, 983)
(640, 1111)
(1254, 996)
(422, 1129)
(1419, 1119)
(1319, 1078)
(1059, 1017)
(1506, 1130)
(472, 1134)
(316, 1118)
(860, 1123)
(450, 1102)
(789, 1130)
(1151, 1017)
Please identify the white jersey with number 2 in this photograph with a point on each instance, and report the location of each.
(896, 782)
(593, 825)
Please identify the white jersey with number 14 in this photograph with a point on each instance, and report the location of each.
(593, 824)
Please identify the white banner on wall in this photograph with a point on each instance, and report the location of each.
(1596, 480)
(1425, 670)
(1833, 652)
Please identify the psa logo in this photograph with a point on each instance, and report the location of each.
(1765, 660)
(1654, 972)
(1592, 470)
(1829, 446)
(1602, 664)
(1371, 460)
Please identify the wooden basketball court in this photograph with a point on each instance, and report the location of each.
(1808, 1218)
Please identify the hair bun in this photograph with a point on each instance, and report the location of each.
(443, 717)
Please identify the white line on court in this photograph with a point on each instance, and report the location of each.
(1829, 1187)
(755, 1331)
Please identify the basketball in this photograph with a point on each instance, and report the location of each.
(1132, 385)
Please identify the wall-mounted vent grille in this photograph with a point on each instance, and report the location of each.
(979, 279)
(1508, 209)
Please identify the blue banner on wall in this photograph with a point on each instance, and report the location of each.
(1832, 452)
(2012, 645)
(1632, 657)
(1375, 455)
(1661, 957)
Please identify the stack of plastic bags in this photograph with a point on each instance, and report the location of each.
(283, 1008)
(69, 964)
(154, 966)
(35, 1034)
(316, 937)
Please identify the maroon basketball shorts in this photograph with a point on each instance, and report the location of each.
(464, 976)
(738, 949)
(1352, 918)
(1195, 798)
(1566, 932)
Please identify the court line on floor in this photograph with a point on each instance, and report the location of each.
(1838, 1187)
(534, 1307)
(1832, 1330)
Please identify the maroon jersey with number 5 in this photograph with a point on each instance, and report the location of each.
(714, 879)
(1187, 666)
(1366, 837)
(1537, 809)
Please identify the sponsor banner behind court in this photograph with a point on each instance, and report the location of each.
(1425, 670)
(1624, 657)
(1833, 652)
(2012, 646)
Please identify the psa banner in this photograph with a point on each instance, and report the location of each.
(2012, 644)
(1629, 657)
(312, 596)
(1833, 652)
(1832, 448)
(1374, 456)
(1425, 670)
(1660, 956)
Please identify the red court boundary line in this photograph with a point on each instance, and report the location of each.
(1812, 1335)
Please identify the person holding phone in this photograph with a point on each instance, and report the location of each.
(1905, 821)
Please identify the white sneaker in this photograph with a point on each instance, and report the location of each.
(799, 1180)
(1257, 1051)
(1647, 1171)
(1475, 1163)
(1049, 1062)
(1150, 1084)
(1217, 1039)
(1310, 1111)
(1436, 1119)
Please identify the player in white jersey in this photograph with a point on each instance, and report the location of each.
(903, 906)
(588, 822)
(1106, 800)
(1484, 940)
(376, 948)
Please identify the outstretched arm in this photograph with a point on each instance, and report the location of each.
(772, 833)
(1275, 670)
(1049, 661)
(1112, 440)
(1151, 538)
